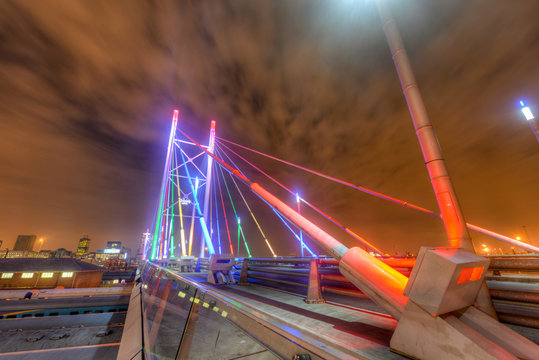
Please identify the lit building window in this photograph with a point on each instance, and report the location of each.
(67, 274)
(27, 275)
(7, 275)
(46, 275)
(115, 281)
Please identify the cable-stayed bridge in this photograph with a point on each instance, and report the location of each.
(202, 283)
(204, 292)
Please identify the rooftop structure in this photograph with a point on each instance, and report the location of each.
(114, 245)
(36, 273)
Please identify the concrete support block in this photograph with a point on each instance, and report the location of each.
(220, 269)
(314, 293)
(515, 343)
(422, 336)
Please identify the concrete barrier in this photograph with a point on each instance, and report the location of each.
(54, 293)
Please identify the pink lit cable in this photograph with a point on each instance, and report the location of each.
(348, 231)
(392, 199)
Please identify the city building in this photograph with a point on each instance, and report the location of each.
(114, 245)
(84, 246)
(61, 252)
(103, 255)
(10, 254)
(37, 273)
(25, 243)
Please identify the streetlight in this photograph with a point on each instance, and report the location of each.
(40, 244)
(528, 115)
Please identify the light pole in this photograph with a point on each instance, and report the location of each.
(40, 245)
(528, 115)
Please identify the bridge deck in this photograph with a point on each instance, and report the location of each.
(335, 330)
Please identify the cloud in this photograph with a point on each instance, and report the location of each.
(86, 104)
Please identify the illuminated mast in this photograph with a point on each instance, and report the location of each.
(211, 146)
(158, 235)
(191, 231)
(182, 230)
(300, 232)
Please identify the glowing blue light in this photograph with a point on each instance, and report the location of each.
(521, 103)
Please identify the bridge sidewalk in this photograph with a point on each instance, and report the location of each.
(339, 329)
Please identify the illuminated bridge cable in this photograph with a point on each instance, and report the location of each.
(247, 205)
(224, 214)
(182, 231)
(391, 199)
(285, 221)
(207, 238)
(192, 228)
(210, 204)
(346, 183)
(234, 209)
(334, 247)
(243, 236)
(170, 213)
(216, 212)
(347, 230)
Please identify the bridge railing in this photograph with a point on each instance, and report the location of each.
(182, 319)
(512, 281)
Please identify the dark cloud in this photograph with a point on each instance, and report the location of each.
(88, 87)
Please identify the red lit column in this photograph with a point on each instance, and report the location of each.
(455, 225)
(452, 217)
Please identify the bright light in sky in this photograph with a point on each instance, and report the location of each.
(526, 111)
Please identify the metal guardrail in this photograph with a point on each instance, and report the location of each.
(516, 300)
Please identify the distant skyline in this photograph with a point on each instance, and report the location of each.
(89, 88)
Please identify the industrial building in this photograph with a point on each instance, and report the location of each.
(37, 273)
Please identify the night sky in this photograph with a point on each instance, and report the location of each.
(87, 90)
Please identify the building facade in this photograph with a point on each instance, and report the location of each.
(84, 246)
(114, 245)
(36, 273)
(9, 254)
(25, 243)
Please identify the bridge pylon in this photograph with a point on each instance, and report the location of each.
(207, 191)
(180, 188)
